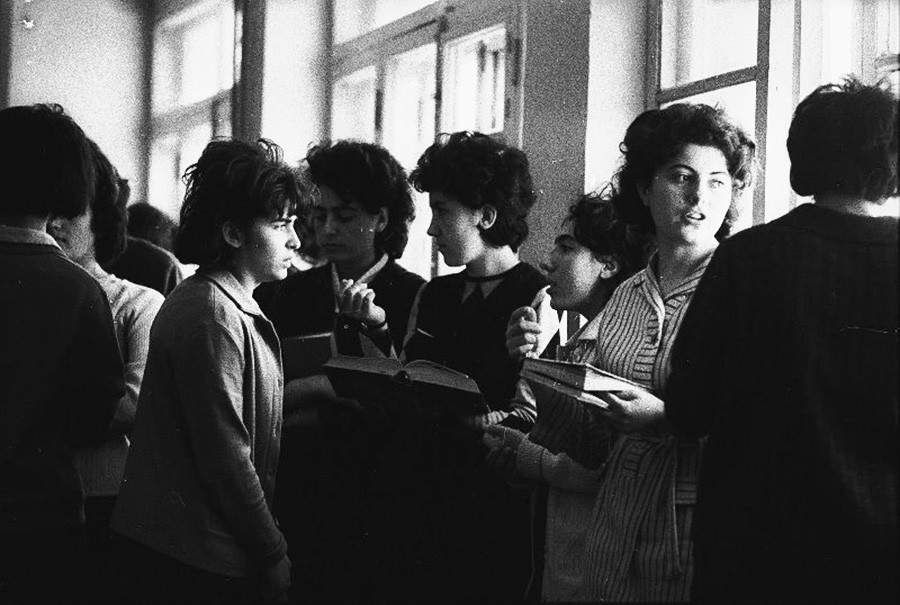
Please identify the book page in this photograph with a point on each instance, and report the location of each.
(422, 370)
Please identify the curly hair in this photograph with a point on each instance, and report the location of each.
(597, 226)
(369, 175)
(658, 135)
(843, 139)
(233, 181)
(46, 168)
(108, 217)
(477, 170)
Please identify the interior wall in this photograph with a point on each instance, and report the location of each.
(90, 58)
(584, 82)
(555, 89)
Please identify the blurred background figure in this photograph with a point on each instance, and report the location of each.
(60, 368)
(93, 239)
(144, 261)
(151, 224)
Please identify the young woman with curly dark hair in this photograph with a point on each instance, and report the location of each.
(685, 171)
(480, 192)
(195, 506)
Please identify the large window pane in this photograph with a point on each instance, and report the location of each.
(408, 129)
(474, 82)
(193, 55)
(353, 106)
(703, 38)
(353, 18)
(163, 186)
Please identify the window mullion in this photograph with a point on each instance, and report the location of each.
(762, 99)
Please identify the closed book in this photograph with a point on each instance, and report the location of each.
(578, 376)
(305, 355)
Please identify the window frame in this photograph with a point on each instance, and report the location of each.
(439, 23)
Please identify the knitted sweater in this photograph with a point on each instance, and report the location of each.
(133, 307)
(788, 361)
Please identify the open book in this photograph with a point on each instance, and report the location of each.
(578, 376)
(305, 355)
(396, 386)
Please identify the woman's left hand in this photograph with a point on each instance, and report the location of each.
(358, 301)
(634, 410)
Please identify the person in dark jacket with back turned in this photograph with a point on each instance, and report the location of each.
(788, 361)
(60, 368)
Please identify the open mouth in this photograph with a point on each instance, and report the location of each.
(695, 216)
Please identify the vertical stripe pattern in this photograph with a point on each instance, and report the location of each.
(639, 546)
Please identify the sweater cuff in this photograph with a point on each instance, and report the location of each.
(528, 459)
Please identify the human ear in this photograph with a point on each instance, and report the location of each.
(232, 235)
(381, 221)
(643, 190)
(609, 266)
(488, 217)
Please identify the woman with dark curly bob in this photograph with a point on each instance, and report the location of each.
(360, 215)
(788, 362)
(195, 504)
(685, 170)
(480, 193)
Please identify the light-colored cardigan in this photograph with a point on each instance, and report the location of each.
(573, 490)
(133, 309)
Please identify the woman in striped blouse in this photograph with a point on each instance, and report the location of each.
(684, 173)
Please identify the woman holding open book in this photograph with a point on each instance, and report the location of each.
(685, 170)
(480, 193)
(594, 253)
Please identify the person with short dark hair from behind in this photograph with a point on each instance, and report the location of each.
(93, 239)
(788, 361)
(480, 192)
(593, 253)
(60, 368)
(195, 507)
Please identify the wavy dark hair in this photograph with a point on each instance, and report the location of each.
(233, 181)
(108, 215)
(369, 175)
(46, 165)
(843, 139)
(477, 170)
(658, 135)
(596, 226)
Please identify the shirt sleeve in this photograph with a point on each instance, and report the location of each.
(210, 371)
(94, 378)
(694, 386)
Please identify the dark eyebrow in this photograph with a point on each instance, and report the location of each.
(565, 237)
(686, 167)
